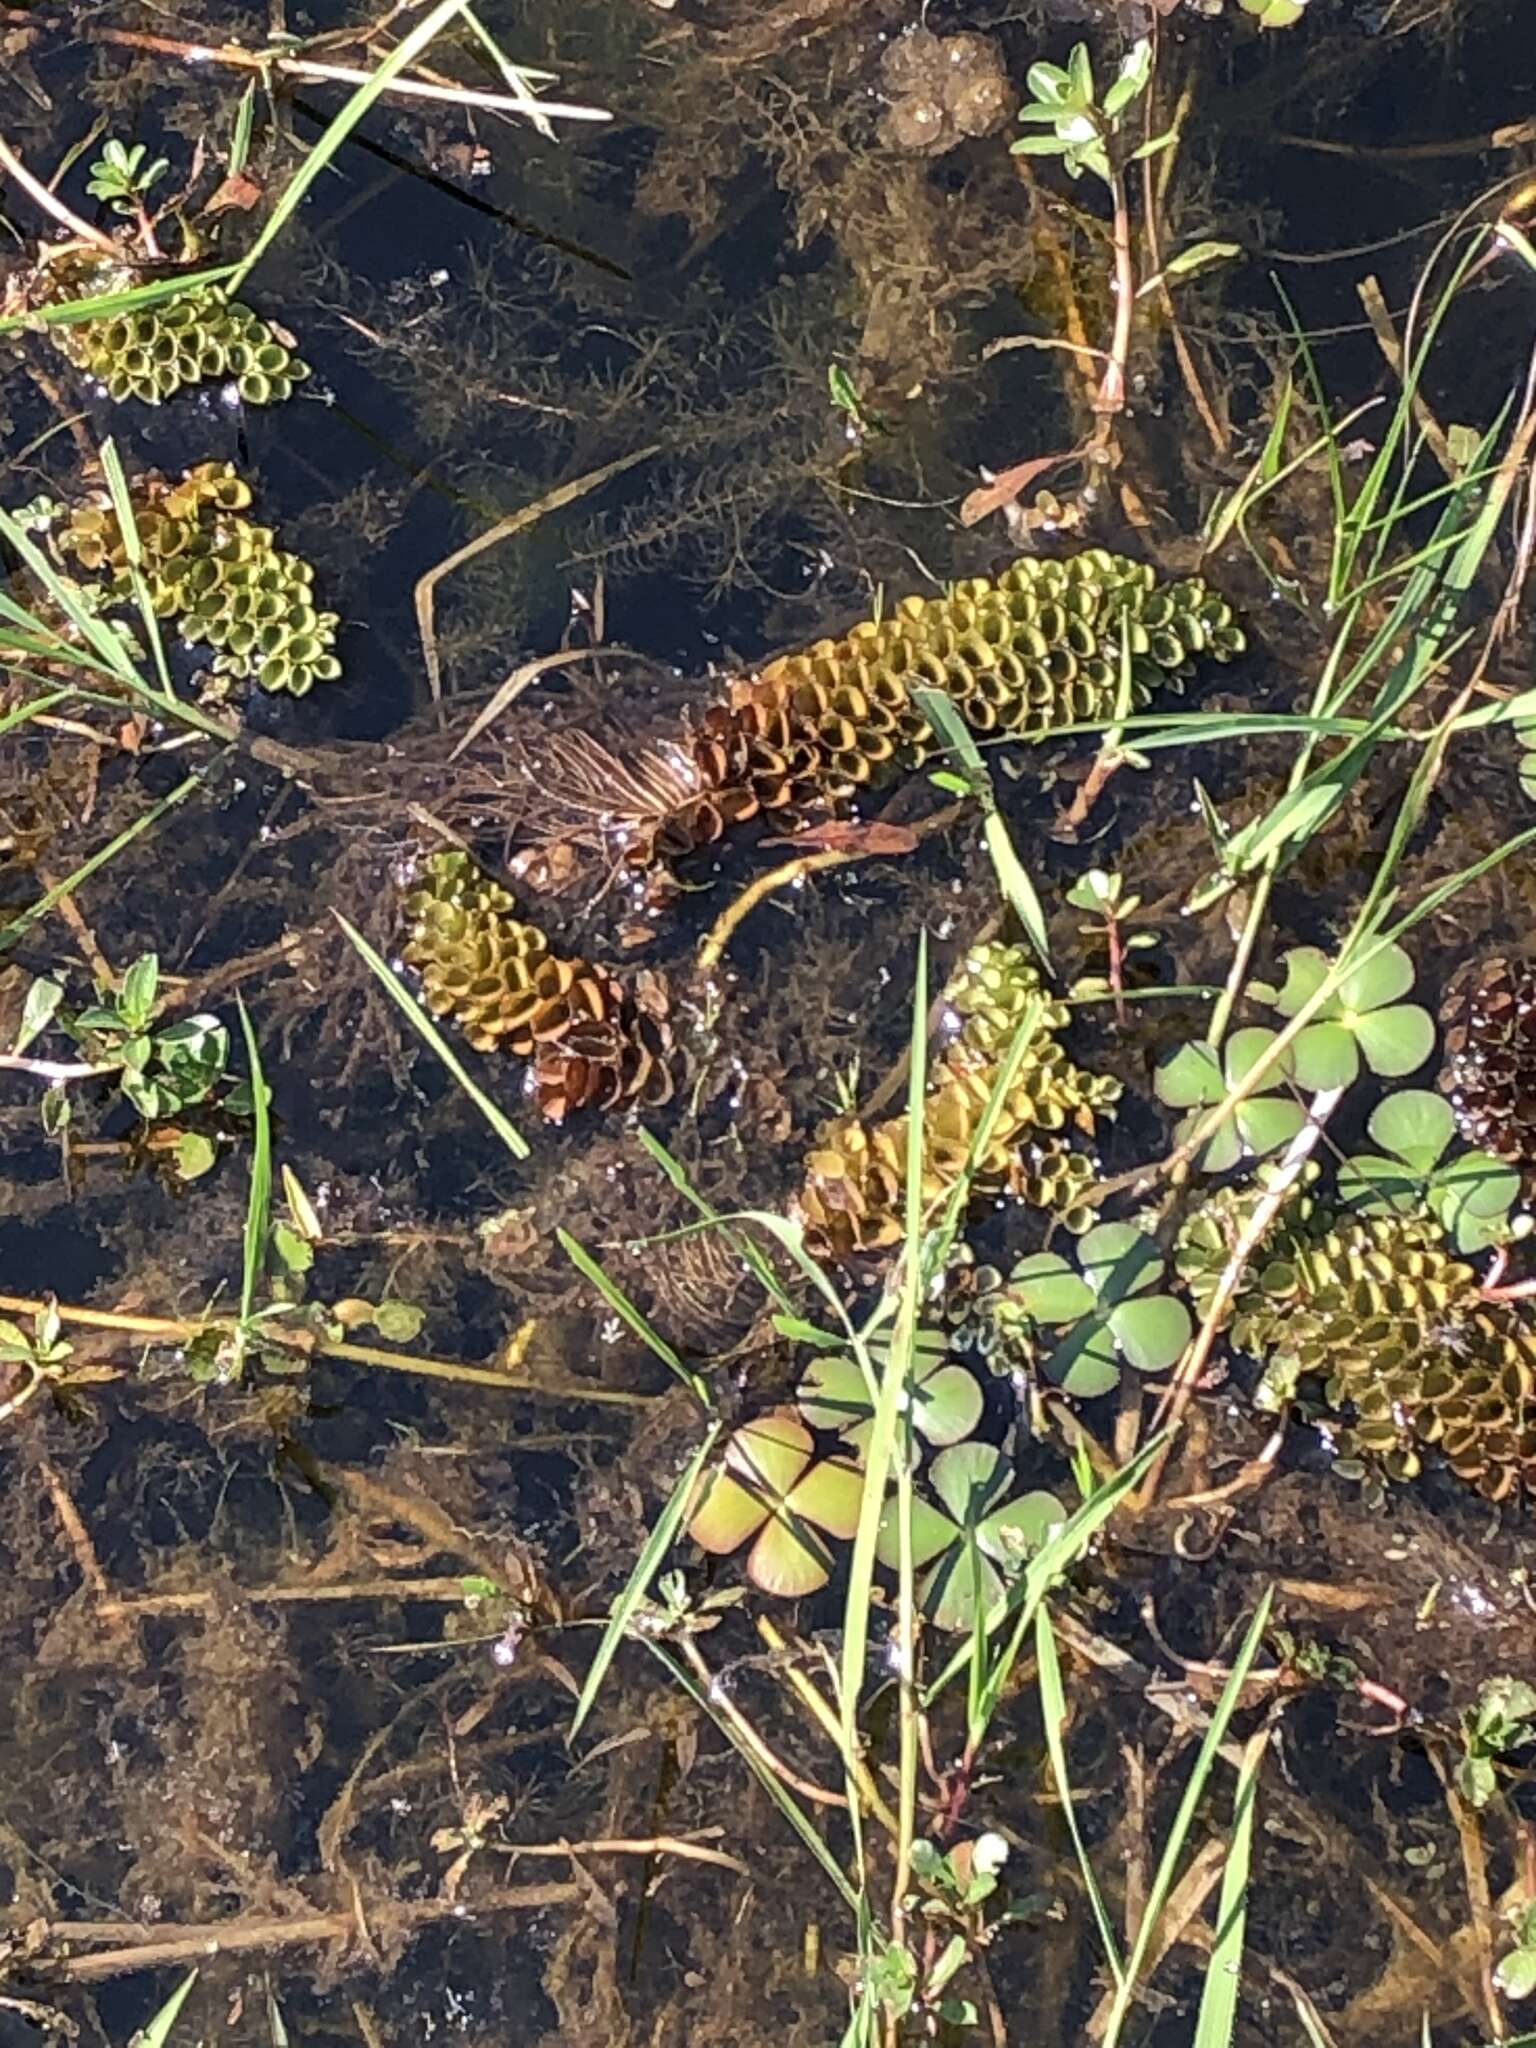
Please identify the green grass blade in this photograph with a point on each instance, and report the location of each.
(880, 1452)
(127, 519)
(1173, 1849)
(258, 1206)
(107, 305)
(404, 53)
(633, 1318)
(24, 920)
(426, 1030)
(158, 2031)
(20, 713)
(1053, 1712)
(1217, 2019)
(739, 1241)
(1012, 876)
(774, 1786)
(638, 1584)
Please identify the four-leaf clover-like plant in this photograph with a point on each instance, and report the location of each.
(1197, 1076)
(771, 1486)
(1111, 1310)
(1469, 1195)
(974, 1543)
(1364, 1019)
(946, 1398)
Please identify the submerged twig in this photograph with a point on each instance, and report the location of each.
(514, 522)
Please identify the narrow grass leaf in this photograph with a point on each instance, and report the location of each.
(1217, 2018)
(1053, 1712)
(258, 1206)
(638, 1584)
(1178, 1834)
(23, 922)
(404, 53)
(774, 1786)
(1012, 876)
(632, 1317)
(739, 1241)
(158, 2031)
(422, 1023)
(107, 305)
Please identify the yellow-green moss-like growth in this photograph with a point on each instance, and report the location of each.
(152, 352)
(1397, 1328)
(853, 1195)
(223, 580)
(590, 1037)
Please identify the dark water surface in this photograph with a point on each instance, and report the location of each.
(492, 315)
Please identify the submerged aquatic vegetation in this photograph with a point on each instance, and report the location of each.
(851, 1198)
(223, 579)
(201, 336)
(592, 1039)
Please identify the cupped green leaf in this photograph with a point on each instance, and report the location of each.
(1244, 1050)
(1378, 1185)
(829, 1495)
(1086, 1362)
(1010, 1533)
(1395, 1041)
(728, 1514)
(932, 1531)
(789, 1559)
(1189, 1076)
(1478, 1185)
(1323, 1056)
(948, 1404)
(968, 1478)
(1384, 978)
(1224, 1148)
(1049, 1290)
(1118, 1260)
(1266, 1123)
(1151, 1331)
(1415, 1125)
(1306, 969)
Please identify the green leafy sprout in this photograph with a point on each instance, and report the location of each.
(122, 176)
(1080, 125)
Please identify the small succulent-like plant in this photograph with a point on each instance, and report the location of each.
(1197, 1076)
(1470, 1196)
(123, 174)
(1066, 103)
(1501, 1719)
(1112, 1309)
(1363, 1020)
(770, 1486)
(946, 1397)
(972, 1545)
